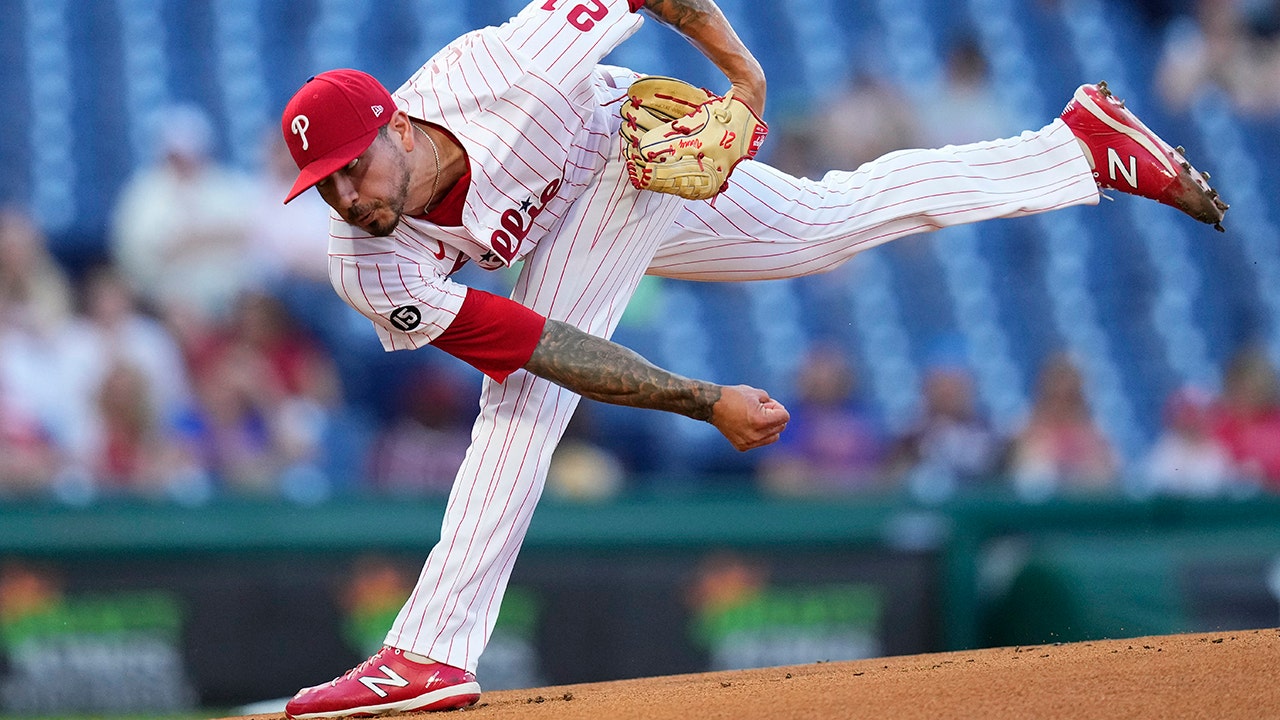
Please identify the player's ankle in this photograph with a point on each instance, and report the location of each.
(415, 657)
(1088, 153)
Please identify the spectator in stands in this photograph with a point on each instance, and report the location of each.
(951, 447)
(284, 241)
(230, 429)
(1187, 459)
(1230, 46)
(117, 331)
(1060, 450)
(966, 108)
(1248, 418)
(135, 379)
(135, 451)
(35, 292)
(268, 393)
(832, 444)
(419, 449)
(287, 249)
(179, 227)
(44, 399)
(867, 119)
(29, 460)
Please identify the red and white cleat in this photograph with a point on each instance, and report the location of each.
(1127, 156)
(387, 682)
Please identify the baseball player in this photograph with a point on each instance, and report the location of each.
(509, 145)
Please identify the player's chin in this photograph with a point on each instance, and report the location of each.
(382, 228)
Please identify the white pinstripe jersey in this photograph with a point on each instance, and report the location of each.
(526, 101)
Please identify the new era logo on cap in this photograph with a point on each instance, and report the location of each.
(331, 120)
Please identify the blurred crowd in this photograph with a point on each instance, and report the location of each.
(1230, 47)
(1209, 444)
(204, 355)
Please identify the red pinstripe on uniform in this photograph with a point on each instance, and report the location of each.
(555, 284)
(530, 107)
(768, 225)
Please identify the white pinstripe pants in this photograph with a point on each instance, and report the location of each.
(766, 226)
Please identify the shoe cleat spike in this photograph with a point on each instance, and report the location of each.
(1100, 120)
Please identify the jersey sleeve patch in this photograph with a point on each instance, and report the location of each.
(495, 335)
(406, 317)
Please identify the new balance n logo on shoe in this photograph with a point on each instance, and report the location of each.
(1114, 163)
(397, 683)
(392, 679)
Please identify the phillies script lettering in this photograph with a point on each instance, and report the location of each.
(517, 222)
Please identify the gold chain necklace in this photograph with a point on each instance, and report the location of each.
(436, 152)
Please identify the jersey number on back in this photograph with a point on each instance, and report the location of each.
(583, 15)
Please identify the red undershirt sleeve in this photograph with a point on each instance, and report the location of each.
(494, 335)
(635, 5)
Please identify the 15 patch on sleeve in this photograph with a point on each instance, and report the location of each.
(406, 317)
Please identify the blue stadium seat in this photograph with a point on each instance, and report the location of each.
(1155, 284)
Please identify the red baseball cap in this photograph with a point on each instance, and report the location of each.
(331, 120)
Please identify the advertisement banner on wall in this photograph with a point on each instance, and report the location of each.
(170, 635)
(111, 651)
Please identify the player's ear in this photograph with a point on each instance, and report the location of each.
(401, 127)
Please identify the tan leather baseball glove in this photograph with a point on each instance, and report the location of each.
(683, 140)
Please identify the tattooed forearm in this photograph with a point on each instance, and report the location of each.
(681, 14)
(601, 370)
(702, 23)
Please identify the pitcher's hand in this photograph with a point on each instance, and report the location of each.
(748, 417)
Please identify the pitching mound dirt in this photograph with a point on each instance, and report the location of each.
(1215, 676)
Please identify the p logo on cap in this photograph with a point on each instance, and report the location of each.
(299, 127)
(331, 120)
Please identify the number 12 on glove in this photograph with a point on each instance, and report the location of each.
(683, 140)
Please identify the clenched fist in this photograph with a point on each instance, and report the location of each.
(748, 417)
